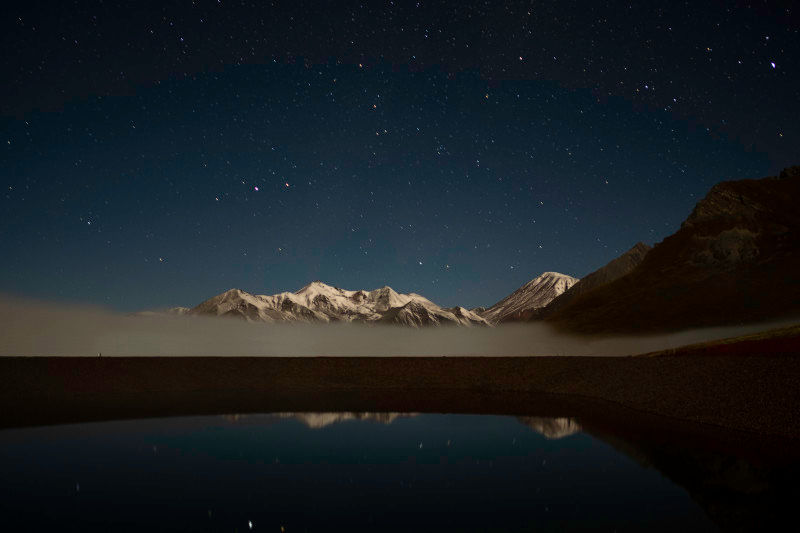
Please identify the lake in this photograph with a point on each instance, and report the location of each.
(335, 471)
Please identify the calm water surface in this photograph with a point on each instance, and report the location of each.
(332, 471)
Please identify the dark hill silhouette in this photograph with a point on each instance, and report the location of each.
(735, 259)
(615, 269)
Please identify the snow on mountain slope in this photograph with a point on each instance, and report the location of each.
(465, 315)
(318, 302)
(416, 314)
(237, 303)
(535, 294)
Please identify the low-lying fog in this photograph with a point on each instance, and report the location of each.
(37, 329)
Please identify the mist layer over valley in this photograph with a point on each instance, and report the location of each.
(38, 329)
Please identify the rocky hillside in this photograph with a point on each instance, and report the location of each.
(735, 259)
(614, 270)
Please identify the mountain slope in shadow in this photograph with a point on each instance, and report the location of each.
(735, 259)
(615, 269)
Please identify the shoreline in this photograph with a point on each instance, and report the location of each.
(755, 394)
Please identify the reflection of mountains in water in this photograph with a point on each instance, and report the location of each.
(742, 481)
(320, 420)
(551, 428)
(317, 420)
(739, 490)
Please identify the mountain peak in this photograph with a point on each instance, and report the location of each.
(232, 291)
(385, 289)
(553, 275)
(615, 269)
(233, 302)
(316, 285)
(537, 293)
(231, 294)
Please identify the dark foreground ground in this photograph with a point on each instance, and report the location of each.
(752, 385)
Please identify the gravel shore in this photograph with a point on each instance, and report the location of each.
(757, 391)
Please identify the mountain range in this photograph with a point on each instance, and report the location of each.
(735, 259)
(319, 302)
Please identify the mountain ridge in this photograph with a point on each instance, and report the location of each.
(733, 260)
(318, 302)
(614, 269)
(535, 294)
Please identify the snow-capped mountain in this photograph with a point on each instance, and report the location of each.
(535, 294)
(318, 302)
(612, 271)
(551, 428)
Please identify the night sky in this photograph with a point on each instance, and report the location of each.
(156, 154)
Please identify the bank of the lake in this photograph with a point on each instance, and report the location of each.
(757, 391)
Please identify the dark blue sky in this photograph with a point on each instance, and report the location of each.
(156, 158)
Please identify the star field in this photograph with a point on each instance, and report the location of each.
(157, 157)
